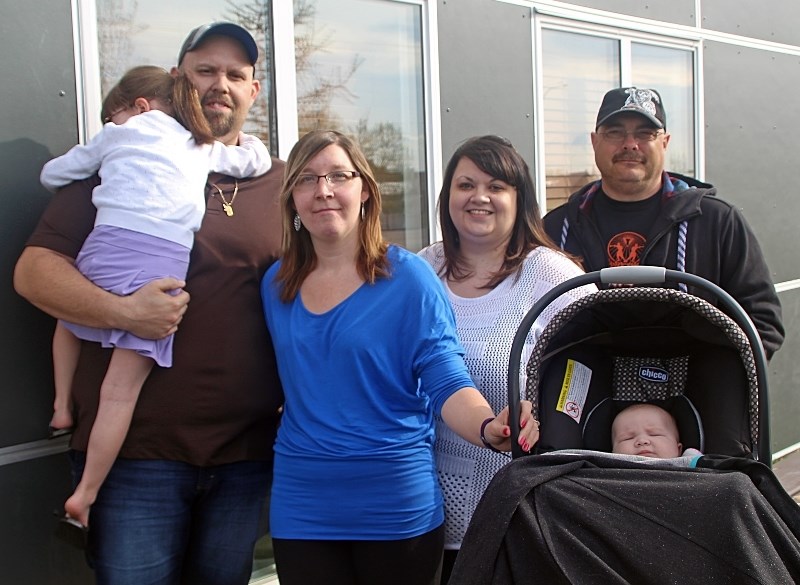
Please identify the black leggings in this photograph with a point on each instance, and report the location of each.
(448, 562)
(412, 561)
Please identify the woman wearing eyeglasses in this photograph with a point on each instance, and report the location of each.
(368, 354)
(495, 262)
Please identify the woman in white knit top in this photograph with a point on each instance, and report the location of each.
(495, 261)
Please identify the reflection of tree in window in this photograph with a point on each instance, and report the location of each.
(316, 90)
(116, 27)
(254, 16)
(383, 145)
(324, 86)
(381, 142)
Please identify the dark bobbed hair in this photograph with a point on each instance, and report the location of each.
(151, 82)
(497, 157)
(298, 256)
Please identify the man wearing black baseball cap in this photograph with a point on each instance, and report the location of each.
(645, 102)
(639, 214)
(185, 501)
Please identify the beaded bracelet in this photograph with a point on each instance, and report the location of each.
(486, 443)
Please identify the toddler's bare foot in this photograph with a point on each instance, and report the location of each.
(62, 419)
(61, 423)
(77, 508)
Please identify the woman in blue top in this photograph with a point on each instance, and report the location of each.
(368, 354)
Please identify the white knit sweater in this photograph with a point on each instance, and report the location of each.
(486, 327)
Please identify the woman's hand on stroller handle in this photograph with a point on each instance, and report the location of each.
(496, 432)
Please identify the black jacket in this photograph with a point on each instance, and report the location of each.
(564, 519)
(720, 247)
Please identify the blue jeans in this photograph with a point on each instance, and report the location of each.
(171, 523)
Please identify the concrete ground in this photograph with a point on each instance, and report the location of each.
(787, 469)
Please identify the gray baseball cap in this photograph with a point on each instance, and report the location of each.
(225, 29)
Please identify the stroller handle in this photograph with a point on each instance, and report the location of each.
(640, 275)
(633, 275)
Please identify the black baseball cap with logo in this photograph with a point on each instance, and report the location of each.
(225, 29)
(621, 100)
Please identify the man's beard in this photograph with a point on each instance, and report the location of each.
(221, 122)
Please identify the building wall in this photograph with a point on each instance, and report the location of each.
(39, 118)
(775, 22)
(485, 71)
(675, 11)
(751, 134)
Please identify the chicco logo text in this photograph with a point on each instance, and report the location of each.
(653, 374)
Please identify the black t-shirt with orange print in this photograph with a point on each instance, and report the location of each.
(624, 227)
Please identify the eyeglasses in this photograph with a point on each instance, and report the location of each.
(335, 178)
(110, 117)
(618, 135)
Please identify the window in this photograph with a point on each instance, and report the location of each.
(139, 32)
(359, 71)
(578, 67)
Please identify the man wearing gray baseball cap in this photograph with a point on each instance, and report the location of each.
(185, 500)
(220, 58)
(228, 29)
(638, 213)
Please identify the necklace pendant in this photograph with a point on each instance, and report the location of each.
(227, 206)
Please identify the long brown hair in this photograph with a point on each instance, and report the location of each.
(299, 258)
(151, 82)
(498, 158)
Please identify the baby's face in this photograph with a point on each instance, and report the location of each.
(645, 429)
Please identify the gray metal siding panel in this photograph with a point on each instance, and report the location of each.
(485, 69)
(39, 122)
(751, 137)
(768, 21)
(674, 11)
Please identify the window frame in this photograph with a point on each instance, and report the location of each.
(87, 68)
(621, 30)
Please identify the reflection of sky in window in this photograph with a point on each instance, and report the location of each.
(670, 72)
(384, 35)
(167, 24)
(579, 68)
(386, 38)
(138, 32)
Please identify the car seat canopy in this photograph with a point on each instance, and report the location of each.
(639, 345)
